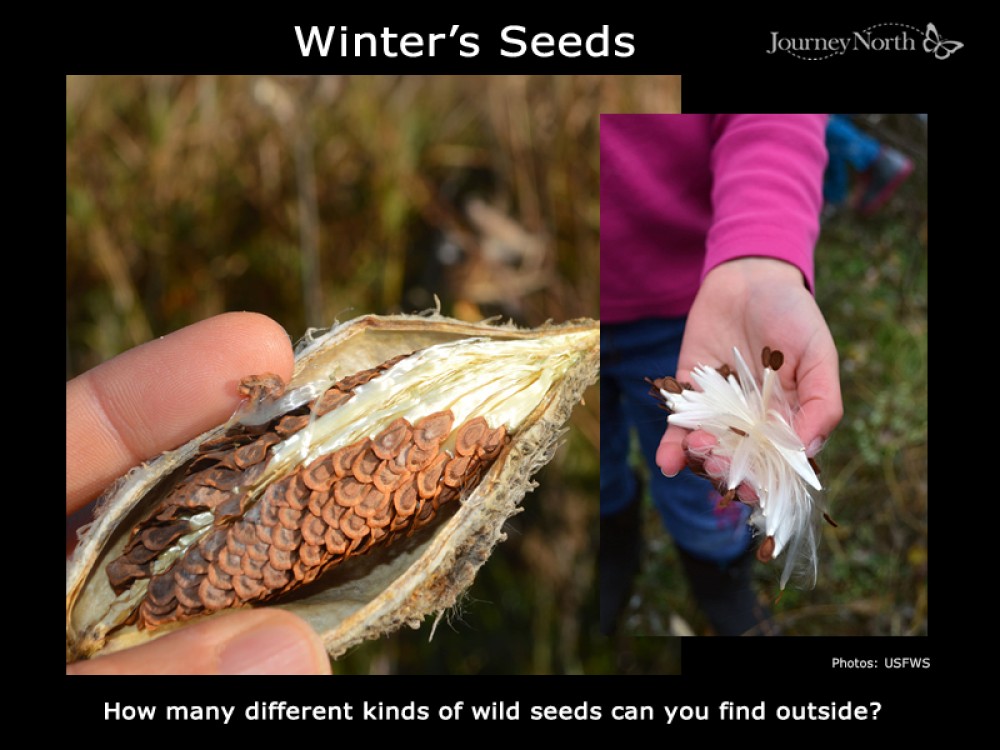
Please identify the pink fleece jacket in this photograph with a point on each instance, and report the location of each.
(681, 194)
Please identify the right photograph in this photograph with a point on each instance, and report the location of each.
(763, 375)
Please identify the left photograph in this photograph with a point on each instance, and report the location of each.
(331, 352)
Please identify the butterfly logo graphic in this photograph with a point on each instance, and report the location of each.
(942, 49)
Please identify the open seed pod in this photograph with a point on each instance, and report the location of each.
(363, 496)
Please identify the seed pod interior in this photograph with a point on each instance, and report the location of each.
(449, 434)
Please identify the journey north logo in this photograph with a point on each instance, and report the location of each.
(882, 37)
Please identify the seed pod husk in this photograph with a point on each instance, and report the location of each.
(362, 502)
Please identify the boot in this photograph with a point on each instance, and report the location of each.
(618, 558)
(726, 595)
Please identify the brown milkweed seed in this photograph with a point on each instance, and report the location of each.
(776, 360)
(392, 459)
(765, 552)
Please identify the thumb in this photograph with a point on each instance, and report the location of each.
(670, 456)
(820, 411)
(264, 641)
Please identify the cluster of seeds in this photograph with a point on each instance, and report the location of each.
(759, 410)
(255, 547)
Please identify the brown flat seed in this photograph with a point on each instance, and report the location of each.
(429, 431)
(264, 533)
(365, 465)
(280, 559)
(490, 448)
(268, 514)
(668, 384)
(275, 579)
(311, 555)
(335, 541)
(251, 454)
(724, 370)
(229, 562)
(385, 479)
(290, 424)
(243, 532)
(427, 479)
(332, 513)
(765, 552)
(194, 562)
(183, 577)
(258, 551)
(161, 537)
(417, 457)
(374, 502)
(344, 459)
(219, 578)
(349, 491)
(213, 597)
(405, 499)
(289, 518)
(319, 475)
(296, 494)
(298, 572)
(470, 435)
(161, 611)
(286, 539)
(826, 517)
(211, 543)
(776, 360)
(141, 554)
(229, 508)
(188, 597)
(219, 478)
(252, 566)
(312, 530)
(391, 440)
(161, 589)
(353, 525)
(455, 471)
(329, 401)
(247, 589)
(738, 431)
(318, 501)
(765, 356)
(814, 465)
(382, 518)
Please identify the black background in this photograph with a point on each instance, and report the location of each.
(725, 67)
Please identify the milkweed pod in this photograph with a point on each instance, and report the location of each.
(363, 496)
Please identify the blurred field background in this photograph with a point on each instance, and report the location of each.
(871, 283)
(315, 199)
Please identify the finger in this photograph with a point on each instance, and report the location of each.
(264, 641)
(161, 394)
(820, 405)
(670, 453)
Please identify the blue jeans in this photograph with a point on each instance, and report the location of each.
(687, 504)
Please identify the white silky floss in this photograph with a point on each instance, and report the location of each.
(753, 426)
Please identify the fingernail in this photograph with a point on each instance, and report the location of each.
(269, 649)
(815, 446)
(667, 474)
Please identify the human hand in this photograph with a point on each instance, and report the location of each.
(751, 303)
(156, 397)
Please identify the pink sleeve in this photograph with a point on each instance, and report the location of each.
(767, 189)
